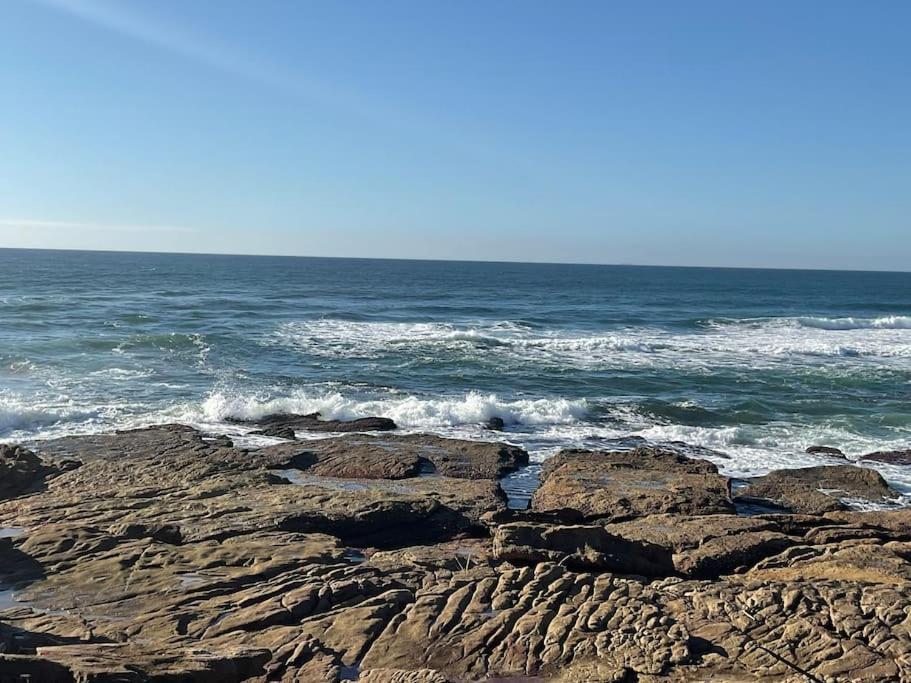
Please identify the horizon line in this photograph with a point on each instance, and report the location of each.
(444, 260)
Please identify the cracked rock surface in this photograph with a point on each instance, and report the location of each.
(170, 556)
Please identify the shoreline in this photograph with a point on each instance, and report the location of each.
(388, 557)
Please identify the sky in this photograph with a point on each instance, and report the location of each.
(772, 133)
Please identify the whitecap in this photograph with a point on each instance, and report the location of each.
(407, 411)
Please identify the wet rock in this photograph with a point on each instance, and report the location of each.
(586, 485)
(825, 450)
(816, 490)
(20, 470)
(392, 456)
(890, 457)
(314, 423)
(581, 547)
(495, 424)
(278, 432)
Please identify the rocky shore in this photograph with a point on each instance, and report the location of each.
(166, 554)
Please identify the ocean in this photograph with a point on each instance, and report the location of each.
(756, 364)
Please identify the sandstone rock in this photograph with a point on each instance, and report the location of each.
(706, 546)
(171, 556)
(314, 423)
(400, 676)
(856, 563)
(587, 485)
(580, 547)
(120, 662)
(815, 490)
(20, 470)
(391, 456)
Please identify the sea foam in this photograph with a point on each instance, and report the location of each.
(407, 411)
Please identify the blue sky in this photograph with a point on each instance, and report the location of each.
(698, 133)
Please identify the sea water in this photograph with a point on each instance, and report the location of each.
(756, 364)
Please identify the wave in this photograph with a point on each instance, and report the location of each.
(890, 322)
(18, 415)
(845, 324)
(757, 343)
(407, 411)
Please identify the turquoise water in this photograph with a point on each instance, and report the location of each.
(758, 364)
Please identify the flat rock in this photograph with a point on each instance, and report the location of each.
(586, 485)
(392, 456)
(170, 556)
(314, 423)
(580, 546)
(127, 663)
(706, 546)
(172, 480)
(816, 490)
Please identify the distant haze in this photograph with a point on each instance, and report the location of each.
(702, 133)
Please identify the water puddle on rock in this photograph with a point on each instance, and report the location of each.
(333, 484)
(7, 599)
(354, 556)
(521, 484)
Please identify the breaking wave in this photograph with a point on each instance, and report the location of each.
(890, 322)
(407, 411)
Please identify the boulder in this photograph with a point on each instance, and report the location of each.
(825, 450)
(901, 457)
(588, 485)
(495, 424)
(816, 490)
(20, 470)
(314, 423)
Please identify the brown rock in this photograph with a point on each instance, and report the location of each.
(101, 591)
(278, 432)
(706, 546)
(581, 547)
(816, 490)
(621, 485)
(120, 662)
(890, 457)
(313, 423)
(392, 456)
(20, 471)
(825, 450)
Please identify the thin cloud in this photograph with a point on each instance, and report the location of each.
(100, 227)
(227, 58)
(208, 52)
